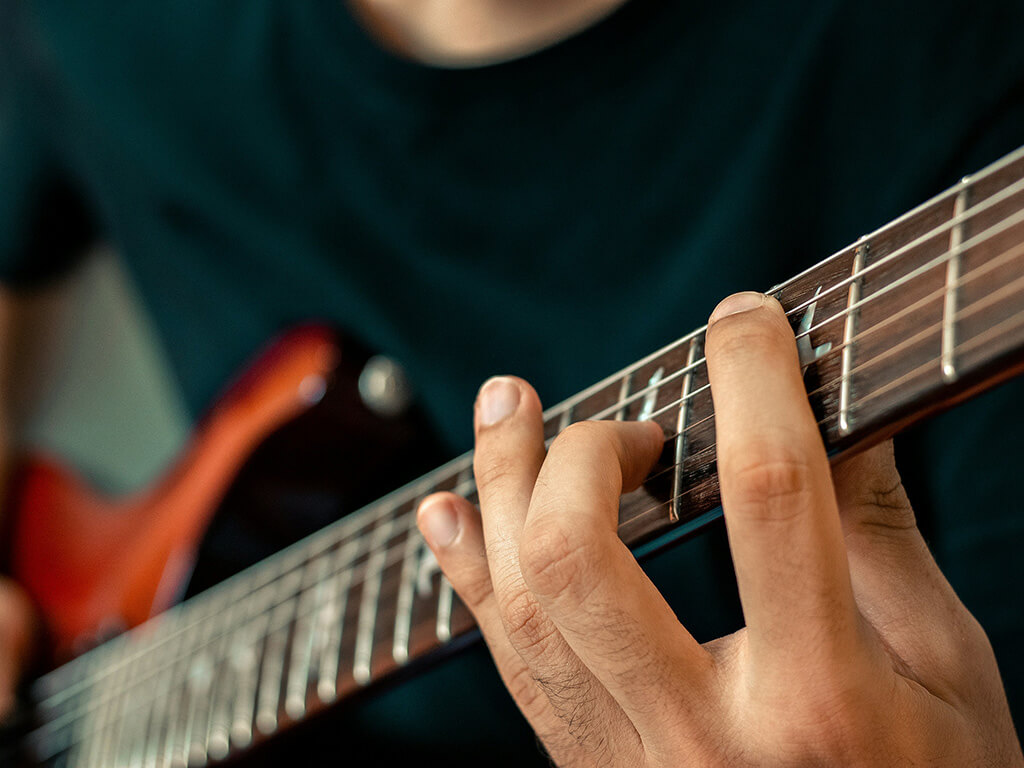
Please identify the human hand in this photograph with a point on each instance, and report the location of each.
(17, 630)
(856, 649)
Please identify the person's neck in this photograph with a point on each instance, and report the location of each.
(464, 33)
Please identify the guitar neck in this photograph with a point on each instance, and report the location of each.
(908, 320)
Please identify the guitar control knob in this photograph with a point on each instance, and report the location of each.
(384, 387)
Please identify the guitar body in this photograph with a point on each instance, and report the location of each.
(96, 565)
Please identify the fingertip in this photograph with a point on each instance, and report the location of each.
(737, 303)
(438, 520)
(650, 444)
(655, 433)
(497, 399)
(500, 397)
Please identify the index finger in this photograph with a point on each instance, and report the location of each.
(780, 508)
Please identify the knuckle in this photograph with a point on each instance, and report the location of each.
(553, 560)
(526, 626)
(474, 589)
(493, 469)
(884, 508)
(831, 719)
(586, 437)
(772, 484)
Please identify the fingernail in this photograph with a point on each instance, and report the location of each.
(498, 399)
(439, 523)
(738, 302)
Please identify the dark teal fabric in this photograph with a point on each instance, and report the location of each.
(556, 216)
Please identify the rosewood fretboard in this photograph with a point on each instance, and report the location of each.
(906, 321)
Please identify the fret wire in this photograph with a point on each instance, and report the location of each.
(952, 276)
(367, 619)
(566, 418)
(971, 212)
(989, 202)
(302, 640)
(995, 331)
(330, 654)
(98, 701)
(269, 585)
(175, 713)
(975, 306)
(984, 174)
(957, 220)
(138, 637)
(281, 613)
(684, 415)
(243, 658)
(200, 750)
(266, 572)
(226, 683)
(1009, 288)
(406, 597)
(445, 596)
(247, 662)
(197, 687)
(849, 331)
(285, 595)
(627, 382)
(708, 418)
(1010, 323)
(876, 235)
(149, 719)
(978, 239)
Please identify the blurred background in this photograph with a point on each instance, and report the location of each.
(87, 378)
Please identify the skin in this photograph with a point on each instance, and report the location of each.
(456, 33)
(17, 617)
(856, 650)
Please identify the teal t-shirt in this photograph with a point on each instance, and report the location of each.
(556, 216)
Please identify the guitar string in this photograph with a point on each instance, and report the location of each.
(966, 214)
(936, 262)
(965, 247)
(217, 638)
(937, 201)
(967, 310)
(993, 231)
(975, 210)
(986, 267)
(394, 557)
(1009, 324)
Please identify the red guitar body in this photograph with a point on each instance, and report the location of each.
(95, 565)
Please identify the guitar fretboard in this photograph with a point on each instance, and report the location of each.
(907, 320)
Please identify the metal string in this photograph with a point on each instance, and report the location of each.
(987, 267)
(383, 509)
(1015, 287)
(407, 525)
(325, 541)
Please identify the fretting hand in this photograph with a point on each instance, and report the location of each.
(856, 649)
